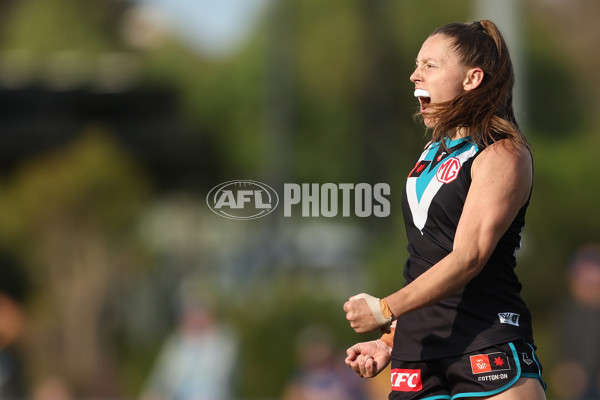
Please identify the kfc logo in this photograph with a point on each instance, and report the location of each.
(406, 380)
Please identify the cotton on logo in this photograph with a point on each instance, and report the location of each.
(242, 199)
(406, 380)
(448, 171)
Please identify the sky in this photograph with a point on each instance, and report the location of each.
(211, 27)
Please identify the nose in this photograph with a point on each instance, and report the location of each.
(415, 76)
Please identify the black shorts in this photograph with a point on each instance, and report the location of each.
(481, 373)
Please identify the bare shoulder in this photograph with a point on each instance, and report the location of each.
(505, 167)
(503, 156)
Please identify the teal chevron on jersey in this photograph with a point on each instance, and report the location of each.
(423, 182)
(435, 155)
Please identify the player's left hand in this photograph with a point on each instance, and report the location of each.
(368, 359)
(360, 316)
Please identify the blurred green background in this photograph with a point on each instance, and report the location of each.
(117, 117)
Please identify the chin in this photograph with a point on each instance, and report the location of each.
(429, 123)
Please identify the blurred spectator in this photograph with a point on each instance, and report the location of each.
(53, 388)
(320, 374)
(577, 375)
(14, 288)
(197, 362)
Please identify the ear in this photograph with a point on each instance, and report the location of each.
(473, 79)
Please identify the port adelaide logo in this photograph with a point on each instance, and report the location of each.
(242, 199)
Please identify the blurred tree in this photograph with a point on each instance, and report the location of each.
(46, 26)
(72, 213)
(576, 32)
(555, 107)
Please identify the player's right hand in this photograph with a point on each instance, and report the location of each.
(368, 359)
(363, 311)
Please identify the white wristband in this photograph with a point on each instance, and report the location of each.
(375, 307)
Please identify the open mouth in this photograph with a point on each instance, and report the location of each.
(424, 98)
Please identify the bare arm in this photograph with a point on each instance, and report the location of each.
(501, 181)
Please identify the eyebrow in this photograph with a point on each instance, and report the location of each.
(424, 60)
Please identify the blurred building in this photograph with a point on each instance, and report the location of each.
(44, 106)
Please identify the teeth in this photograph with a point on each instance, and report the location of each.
(421, 93)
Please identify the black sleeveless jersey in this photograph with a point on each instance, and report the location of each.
(489, 310)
